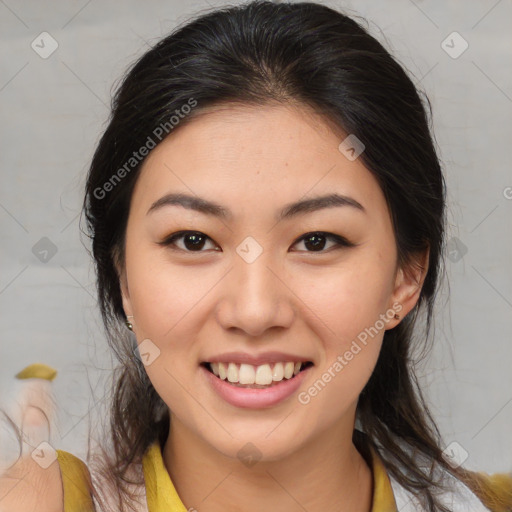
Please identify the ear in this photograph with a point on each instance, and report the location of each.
(125, 294)
(409, 281)
(123, 283)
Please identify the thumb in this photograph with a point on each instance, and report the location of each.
(35, 410)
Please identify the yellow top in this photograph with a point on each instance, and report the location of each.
(162, 496)
(76, 483)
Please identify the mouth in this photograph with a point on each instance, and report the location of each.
(256, 377)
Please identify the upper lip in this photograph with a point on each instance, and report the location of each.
(256, 360)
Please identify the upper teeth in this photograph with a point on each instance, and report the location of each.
(249, 374)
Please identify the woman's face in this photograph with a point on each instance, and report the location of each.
(248, 287)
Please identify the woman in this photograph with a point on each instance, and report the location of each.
(267, 214)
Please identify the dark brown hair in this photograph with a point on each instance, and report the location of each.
(254, 54)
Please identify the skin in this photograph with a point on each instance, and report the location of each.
(193, 305)
(26, 485)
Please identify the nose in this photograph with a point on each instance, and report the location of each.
(255, 298)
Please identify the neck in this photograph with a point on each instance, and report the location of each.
(327, 474)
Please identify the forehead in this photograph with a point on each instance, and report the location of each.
(254, 154)
(237, 131)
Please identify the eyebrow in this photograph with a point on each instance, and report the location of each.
(301, 207)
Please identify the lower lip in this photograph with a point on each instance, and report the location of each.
(252, 398)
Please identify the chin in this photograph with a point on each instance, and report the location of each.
(253, 445)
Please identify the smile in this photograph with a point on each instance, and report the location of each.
(256, 377)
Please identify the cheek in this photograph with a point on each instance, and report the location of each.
(165, 296)
(167, 305)
(347, 300)
(335, 388)
(350, 306)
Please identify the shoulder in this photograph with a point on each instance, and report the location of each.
(494, 490)
(76, 483)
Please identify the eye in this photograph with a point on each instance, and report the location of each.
(194, 241)
(316, 241)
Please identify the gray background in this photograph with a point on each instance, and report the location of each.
(53, 111)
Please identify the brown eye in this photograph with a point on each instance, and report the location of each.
(193, 241)
(316, 241)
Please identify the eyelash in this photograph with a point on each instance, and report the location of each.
(339, 240)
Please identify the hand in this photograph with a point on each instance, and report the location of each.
(30, 478)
